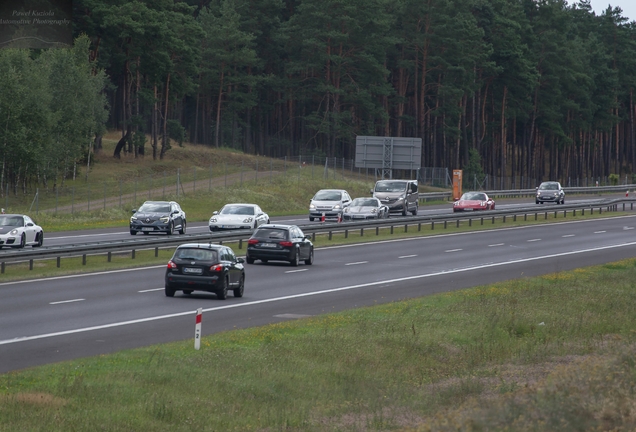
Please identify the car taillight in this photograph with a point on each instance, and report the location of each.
(217, 268)
(286, 244)
(171, 265)
(252, 241)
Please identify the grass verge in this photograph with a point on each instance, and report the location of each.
(547, 353)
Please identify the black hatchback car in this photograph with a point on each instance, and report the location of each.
(272, 242)
(205, 267)
(158, 216)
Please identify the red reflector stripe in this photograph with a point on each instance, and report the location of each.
(198, 318)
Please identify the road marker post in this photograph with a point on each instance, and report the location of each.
(197, 330)
(322, 219)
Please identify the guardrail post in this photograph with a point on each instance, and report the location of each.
(391, 229)
(2, 267)
(504, 218)
(110, 256)
(591, 210)
(457, 223)
(419, 226)
(482, 221)
(346, 233)
(31, 264)
(444, 224)
(240, 243)
(156, 252)
(493, 220)
(133, 254)
(330, 235)
(406, 227)
(565, 213)
(313, 237)
(377, 231)
(84, 259)
(470, 222)
(546, 216)
(574, 212)
(361, 232)
(555, 214)
(432, 225)
(58, 262)
(525, 217)
(514, 218)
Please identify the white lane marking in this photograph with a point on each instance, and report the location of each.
(494, 245)
(568, 235)
(356, 263)
(407, 256)
(599, 232)
(149, 290)
(534, 240)
(453, 250)
(296, 271)
(309, 294)
(66, 301)
(627, 228)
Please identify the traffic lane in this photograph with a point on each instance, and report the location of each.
(67, 303)
(90, 343)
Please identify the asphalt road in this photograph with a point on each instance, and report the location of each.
(55, 319)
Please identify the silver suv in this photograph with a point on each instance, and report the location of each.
(398, 195)
(328, 202)
(550, 191)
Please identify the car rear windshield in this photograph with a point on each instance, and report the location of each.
(390, 186)
(474, 196)
(155, 208)
(197, 254)
(328, 196)
(237, 210)
(271, 233)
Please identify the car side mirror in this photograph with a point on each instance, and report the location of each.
(240, 260)
(134, 210)
(371, 191)
(537, 188)
(214, 213)
(308, 236)
(29, 224)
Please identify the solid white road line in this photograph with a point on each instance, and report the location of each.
(568, 235)
(453, 250)
(149, 290)
(406, 256)
(599, 232)
(534, 240)
(357, 263)
(296, 271)
(309, 294)
(498, 244)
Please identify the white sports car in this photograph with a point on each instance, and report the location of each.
(18, 230)
(238, 216)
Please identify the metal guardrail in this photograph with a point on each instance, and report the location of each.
(108, 247)
(428, 196)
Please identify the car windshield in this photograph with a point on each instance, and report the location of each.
(474, 196)
(549, 186)
(364, 202)
(237, 210)
(196, 254)
(390, 186)
(326, 195)
(16, 221)
(155, 208)
(271, 233)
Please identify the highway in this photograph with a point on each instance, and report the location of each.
(69, 317)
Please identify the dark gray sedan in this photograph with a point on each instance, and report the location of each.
(365, 208)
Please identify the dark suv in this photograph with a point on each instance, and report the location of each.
(280, 243)
(205, 267)
(158, 216)
(550, 191)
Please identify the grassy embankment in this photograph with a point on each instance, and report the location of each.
(548, 353)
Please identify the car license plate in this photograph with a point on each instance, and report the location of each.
(147, 229)
(468, 209)
(191, 270)
(268, 245)
(228, 226)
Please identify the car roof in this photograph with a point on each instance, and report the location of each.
(277, 226)
(334, 190)
(241, 204)
(158, 202)
(13, 214)
(211, 246)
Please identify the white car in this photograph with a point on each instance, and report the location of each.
(238, 216)
(18, 230)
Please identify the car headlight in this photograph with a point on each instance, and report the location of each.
(336, 207)
(165, 219)
(346, 210)
(312, 206)
(133, 219)
(374, 210)
(213, 220)
(248, 219)
(14, 232)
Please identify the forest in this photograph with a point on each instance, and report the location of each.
(524, 88)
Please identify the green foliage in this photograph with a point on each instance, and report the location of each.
(473, 170)
(613, 179)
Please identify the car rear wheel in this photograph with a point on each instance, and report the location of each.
(238, 292)
(39, 239)
(133, 232)
(183, 228)
(222, 292)
(310, 260)
(169, 291)
(294, 261)
(249, 260)
(311, 219)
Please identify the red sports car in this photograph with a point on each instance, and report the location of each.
(471, 201)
